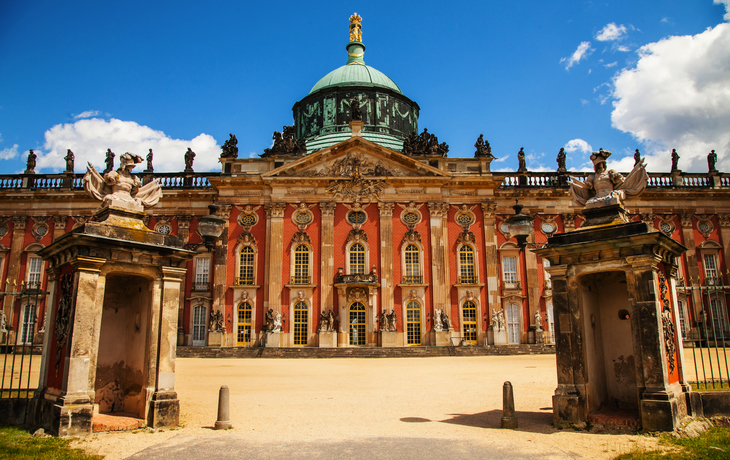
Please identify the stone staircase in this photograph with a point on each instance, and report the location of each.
(361, 352)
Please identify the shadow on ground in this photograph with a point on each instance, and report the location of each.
(536, 422)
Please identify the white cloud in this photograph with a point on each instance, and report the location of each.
(584, 102)
(608, 66)
(87, 114)
(678, 96)
(727, 7)
(623, 49)
(611, 32)
(583, 51)
(578, 145)
(9, 152)
(90, 138)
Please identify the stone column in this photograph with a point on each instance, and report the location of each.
(275, 257)
(533, 284)
(220, 256)
(724, 221)
(183, 231)
(327, 256)
(16, 250)
(446, 256)
(387, 287)
(438, 274)
(693, 270)
(490, 258)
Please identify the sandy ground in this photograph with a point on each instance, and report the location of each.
(327, 400)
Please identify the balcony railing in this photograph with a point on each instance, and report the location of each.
(467, 279)
(75, 181)
(244, 281)
(201, 286)
(412, 279)
(300, 280)
(656, 180)
(358, 278)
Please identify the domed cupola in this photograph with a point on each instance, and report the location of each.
(323, 116)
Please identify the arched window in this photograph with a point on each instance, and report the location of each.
(301, 265)
(357, 324)
(243, 329)
(301, 320)
(246, 267)
(467, 271)
(413, 323)
(470, 322)
(357, 259)
(412, 268)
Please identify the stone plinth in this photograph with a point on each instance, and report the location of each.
(327, 339)
(440, 338)
(539, 336)
(216, 339)
(388, 339)
(272, 339)
(500, 337)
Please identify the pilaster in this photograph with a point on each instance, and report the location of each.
(276, 255)
(436, 214)
(327, 256)
(387, 287)
(16, 249)
(220, 256)
(693, 270)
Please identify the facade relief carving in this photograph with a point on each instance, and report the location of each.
(356, 164)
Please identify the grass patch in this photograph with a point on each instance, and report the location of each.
(712, 445)
(17, 444)
(717, 386)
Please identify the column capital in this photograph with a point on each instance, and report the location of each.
(686, 219)
(275, 210)
(224, 211)
(173, 273)
(59, 222)
(644, 262)
(183, 222)
(386, 209)
(723, 220)
(489, 209)
(437, 208)
(568, 221)
(87, 264)
(19, 222)
(327, 208)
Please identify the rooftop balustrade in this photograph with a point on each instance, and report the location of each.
(168, 181)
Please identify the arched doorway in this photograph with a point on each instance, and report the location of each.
(357, 324)
(243, 330)
(469, 309)
(413, 323)
(301, 322)
(121, 364)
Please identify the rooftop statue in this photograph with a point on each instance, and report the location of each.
(522, 166)
(561, 160)
(121, 186)
(424, 144)
(286, 143)
(30, 165)
(230, 148)
(606, 188)
(483, 148)
(355, 28)
(189, 158)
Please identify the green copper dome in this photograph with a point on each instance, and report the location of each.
(355, 73)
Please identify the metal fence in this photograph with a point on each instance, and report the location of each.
(704, 323)
(21, 340)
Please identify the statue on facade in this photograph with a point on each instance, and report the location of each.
(69, 161)
(189, 158)
(286, 143)
(424, 144)
(355, 28)
(561, 161)
(150, 168)
(445, 320)
(120, 187)
(675, 160)
(606, 188)
(269, 320)
(30, 164)
(277, 323)
(109, 161)
(356, 111)
(637, 157)
(483, 148)
(216, 321)
(438, 324)
(327, 321)
(522, 166)
(230, 147)
(3, 321)
(538, 321)
(711, 160)
(498, 320)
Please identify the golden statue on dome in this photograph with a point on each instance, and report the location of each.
(355, 28)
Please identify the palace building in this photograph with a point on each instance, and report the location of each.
(351, 211)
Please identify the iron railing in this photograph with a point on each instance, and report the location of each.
(412, 279)
(706, 331)
(244, 281)
(299, 279)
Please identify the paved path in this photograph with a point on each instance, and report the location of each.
(446, 407)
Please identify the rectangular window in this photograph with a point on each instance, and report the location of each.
(28, 327)
(245, 269)
(35, 269)
(710, 266)
(509, 267)
(682, 320)
(719, 321)
(548, 280)
(202, 267)
(512, 313)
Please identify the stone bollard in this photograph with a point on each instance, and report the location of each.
(224, 414)
(508, 407)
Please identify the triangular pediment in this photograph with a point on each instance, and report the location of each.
(356, 156)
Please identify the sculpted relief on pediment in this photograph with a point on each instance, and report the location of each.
(356, 164)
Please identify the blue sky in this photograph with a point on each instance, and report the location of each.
(621, 75)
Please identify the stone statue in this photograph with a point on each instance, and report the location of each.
(521, 159)
(538, 321)
(355, 28)
(277, 323)
(30, 165)
(216, 321)
(286, 144)
(109, 160)
(675, 160)
(189, 158)
(483, 148)
(424, 144)
(69, 161)
(392, 320)
(438, 324)
(711, 160)
(561, 161)
(3, 321)
(120, 187)
(150, 168)
(230, 148)
(637, 157)
(327, 321)
(270, 320)
(356, 112)
(498, 320)
(606, 188)
(445, 320)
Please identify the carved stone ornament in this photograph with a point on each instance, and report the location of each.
(163, 225)
(411, 214)
(356, 189)
(568, 221)
(216, 321)
(548, 226)
(667, 323)
(302, 216)
(183, 222)
(230, 148)
(326, 321)
(275, 210)
(327, 209)
(704, 225)
(411, 236)
(607, 187)
(724, 220)
(465, 216)
(246, 239)
(79, 220)
(286, 144)
(686, 219)
(424, 144)
(466, 237)
(19, 222)
(489, 210)
(357, 163)
(63, 316)
(3, 228)
(438, 209)
(666, 225)
(121, 187)
(40, 228)
(357, 295)
(248, 217)
(386, 209)
(301, 237)
(356, 215)
(357, 235)
(59, 223)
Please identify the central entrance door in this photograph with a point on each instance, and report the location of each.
(357, 324)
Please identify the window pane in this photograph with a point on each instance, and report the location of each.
(509, 266)
(245, 273)
(466, 265)
(710, 266)
(357, 258)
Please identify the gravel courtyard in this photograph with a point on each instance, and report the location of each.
(283, 407)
